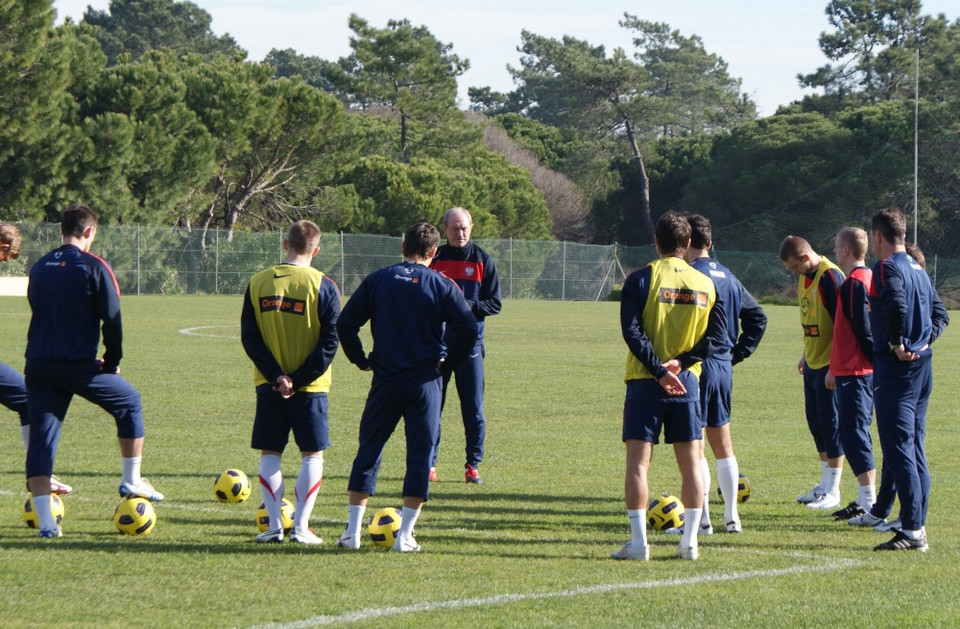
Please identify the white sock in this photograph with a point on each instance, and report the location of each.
(910, 534)
(306, 489)
(866, 496)
(44, 513)
(131, 469)
(25, 436)
(824, 481)
(833, 480)
(638, 526)
(408, 519)
(705, 475)
(271, 488)
(354, 519)
(728, 478)
(690, 532)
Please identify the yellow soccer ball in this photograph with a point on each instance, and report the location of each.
(30, 511)
(232, 486)
(384, 526)
(286, 516)
(135, 516)
(665, 512)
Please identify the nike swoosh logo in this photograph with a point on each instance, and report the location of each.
(276, 277)
(843, 384)
(474, 355)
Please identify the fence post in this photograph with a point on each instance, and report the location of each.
(563, 274)
(511, 267)
(216, 263)
(138, 258)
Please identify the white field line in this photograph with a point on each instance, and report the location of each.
(827, 565)
(197, 331)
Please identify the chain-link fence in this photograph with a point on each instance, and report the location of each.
(163, 260)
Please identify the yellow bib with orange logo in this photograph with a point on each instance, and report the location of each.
(676, 313)
(816, 321)
(285, 303)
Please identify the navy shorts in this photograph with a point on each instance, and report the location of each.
(13, 392)
(51, 386)
(647, 409)
(820, 406)
(303, 413)
(855, 401)
(418, 403)
(716, 385)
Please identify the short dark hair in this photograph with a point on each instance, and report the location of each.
(794, 247)
(303, 236)
(891, 224)
(419, 239)
(701, 236)
(673, 232)
(75, 219)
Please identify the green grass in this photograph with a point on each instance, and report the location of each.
(528, 548)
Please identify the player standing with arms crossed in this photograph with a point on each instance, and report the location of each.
(819, 280)
(288, 327)
(671, 320)
(421, 328)
(473, 270)
(906, 316)
(851, 367)
(745, 325)
(74, 296)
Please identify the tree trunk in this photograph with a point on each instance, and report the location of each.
(645, 219)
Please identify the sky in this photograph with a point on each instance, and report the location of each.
(765, 43)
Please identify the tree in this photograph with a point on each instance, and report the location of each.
(271, 133)
(142, 151)
(873, 47)
(138, 26)
(691, 89)
(414, 76)
(320, 73)
(500, 197)
(568, 82)
(34, 74)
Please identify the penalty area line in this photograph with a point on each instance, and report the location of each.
(503, 599)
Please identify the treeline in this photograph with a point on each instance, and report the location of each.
(145, 113)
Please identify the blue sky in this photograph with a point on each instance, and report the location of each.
(766, 43)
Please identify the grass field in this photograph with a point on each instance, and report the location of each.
(529, 548)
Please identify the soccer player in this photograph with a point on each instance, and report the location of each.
(671, 320)
(74, 296)
(745, 325)
(851, 368)
(288, 326)
(422, 328)
(819, 280)
(13, 389)
(473, 270)
(906, 316)
(876, 517)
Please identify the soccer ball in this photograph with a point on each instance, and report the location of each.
(30, 511)
(384, 526)
(135, 516)
(286, 516)
(232, 486)
(665, 512)
(743, 489)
